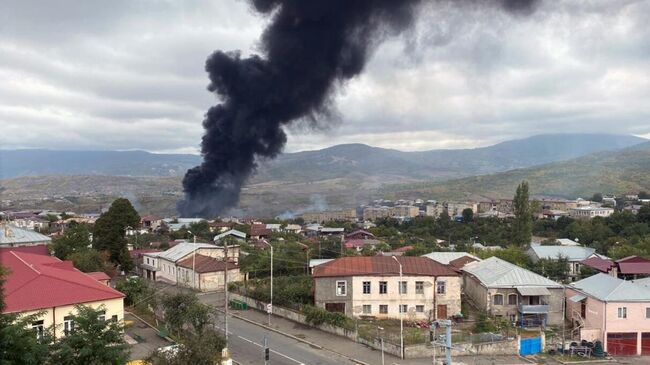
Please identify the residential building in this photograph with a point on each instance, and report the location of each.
(574, 255)
(206, 273)
(44, 284)
(588, 212)
(150, 223)
(166, 262)
(233, 233)
(259, 231)
(360, 239)
(141, 263)
(371, 286)
(506, 290)
(613, 311)
(330, 215)
(600, 264)
(633, 267)
(446, 258)
(12, 236)
(374, 213)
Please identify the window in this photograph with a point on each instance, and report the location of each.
(419, 308)
(383, 308)
(68, 325)
(147, 261)
(497, 299)
(367, 309)
(419, 287)
(102, 316)
(38, 329)
(383, 287)
(622, 312)
(441, 287)
(403, 308)
(114, 318)
(341, 288)
(366, 287)
(402, 287)
(647, 312)
(512, 299)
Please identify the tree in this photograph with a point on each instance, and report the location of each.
(76, 238)
(18, 345)
(184, 309)
(554, 269)
(523, 225)
(644, 195)
(468, 215)
(196, 348)
(643, 215)
(597, 197)
(93, 341)
(201, 230)
(137, 291)
(109, 231)
(88, 260)
(513, 254)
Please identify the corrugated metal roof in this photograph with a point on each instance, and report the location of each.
(384, 266)
(181, 250)
(607, 288)
(496, 273)
(572, 253)
(316, 262)
(12, 235)
(232, 232)
(578, 297)
(446, 257)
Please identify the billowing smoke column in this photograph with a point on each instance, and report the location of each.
(310, 48)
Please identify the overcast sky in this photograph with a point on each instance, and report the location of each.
(128, 74)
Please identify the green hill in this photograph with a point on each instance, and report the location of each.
(607, 172)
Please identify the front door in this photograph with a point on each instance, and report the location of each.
(442, 311)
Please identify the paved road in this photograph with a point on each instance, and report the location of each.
(246, 346)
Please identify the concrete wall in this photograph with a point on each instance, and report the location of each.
(55, 316)
(476, 292)
(325, 292)
(204, 282)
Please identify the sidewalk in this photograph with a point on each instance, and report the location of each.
(355, 350)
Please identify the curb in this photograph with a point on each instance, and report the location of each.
(298, 339)
(148, 324)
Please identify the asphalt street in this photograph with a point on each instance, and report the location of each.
(245, 342)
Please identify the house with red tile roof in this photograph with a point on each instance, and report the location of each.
(633, 267)
(44, 283)
(601, 264)
(371, 286)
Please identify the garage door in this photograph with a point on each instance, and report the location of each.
(645, 343)
(621, 344)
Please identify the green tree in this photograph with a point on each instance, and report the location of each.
(88, 260)
(109, 231)
(184, 309)
(138, 292)
(18, 345)
(512, 254)
(597, 197)
(555, 269)
(523, 225)
(196, 348)
(93, 341)
(76, 238)
(644, 195)
(644, 214)
(201, 230)
(468, 215)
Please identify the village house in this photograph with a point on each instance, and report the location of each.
(446, 258)
(611, 310)
(40, 283)
(574, 255)
(506, 290)
(259, 231)
(633, 267)
(12, 236)
(360, 239)
(162, 266)
(588, 212)
(206, 273)
(151, 223)
(371, 286)
(233, 233)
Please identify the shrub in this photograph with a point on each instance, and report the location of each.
(317, 316)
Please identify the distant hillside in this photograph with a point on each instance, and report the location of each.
(350, 161)
(16, 163)
(607, 172)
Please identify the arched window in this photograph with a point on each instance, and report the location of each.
(497, 299)
(512, 299)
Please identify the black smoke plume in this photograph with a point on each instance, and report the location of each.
(310, 48)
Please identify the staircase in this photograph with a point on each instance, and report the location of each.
(577, 322)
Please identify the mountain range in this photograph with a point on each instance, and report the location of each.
(340, 161)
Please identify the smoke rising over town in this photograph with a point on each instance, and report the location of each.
(309, 50)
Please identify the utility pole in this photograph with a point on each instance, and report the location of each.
(269, 308)
(401, 314)
(447, 324)
(225, 286)
(266, 351)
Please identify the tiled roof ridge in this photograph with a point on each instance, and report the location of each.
(25, 262)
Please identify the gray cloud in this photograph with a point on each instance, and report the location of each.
(129, 74)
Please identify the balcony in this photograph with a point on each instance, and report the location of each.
(534, 309)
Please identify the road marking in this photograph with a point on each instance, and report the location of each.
(273, 351)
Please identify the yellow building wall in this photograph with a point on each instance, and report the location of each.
(54, 316)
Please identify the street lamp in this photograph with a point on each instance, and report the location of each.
(270, 309)
(381, 341)
(401, 316)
